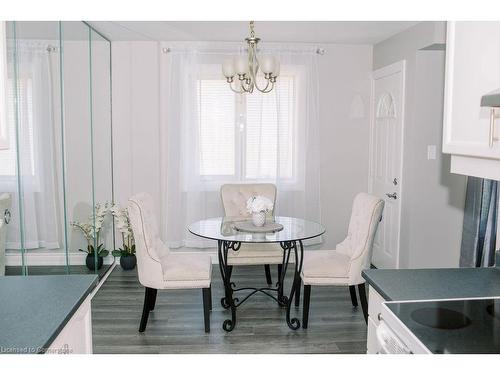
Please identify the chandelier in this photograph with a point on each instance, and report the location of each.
(247, 68)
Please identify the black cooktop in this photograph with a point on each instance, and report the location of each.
(461, 326)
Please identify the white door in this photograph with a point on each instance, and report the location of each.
(386, 158)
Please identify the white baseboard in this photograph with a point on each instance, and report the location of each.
(58, 258)
(102, 280)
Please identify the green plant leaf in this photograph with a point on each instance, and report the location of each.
(103, 253)
(116, 253)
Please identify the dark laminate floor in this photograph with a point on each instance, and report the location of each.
(176, 324)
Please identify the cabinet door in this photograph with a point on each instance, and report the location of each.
(472, 70)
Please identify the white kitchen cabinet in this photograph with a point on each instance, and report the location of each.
(375, 301)
(472, 70)
(76, 336)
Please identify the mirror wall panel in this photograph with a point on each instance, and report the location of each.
(77, 141)
(12, 257)
(57, 169)
(100, 63)
(87, 139)
(39, 126)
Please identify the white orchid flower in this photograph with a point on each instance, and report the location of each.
(259, 203)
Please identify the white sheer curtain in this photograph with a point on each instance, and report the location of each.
(213, 136)
(36, 149)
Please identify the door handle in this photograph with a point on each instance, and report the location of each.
(6, 216)
(392, 195)
(492, 139)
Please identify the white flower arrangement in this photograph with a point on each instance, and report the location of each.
(259, 203)
(92, 227)
(123, 225)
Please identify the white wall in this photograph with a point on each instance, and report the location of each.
(136, 119)
(432, 209)
(344, 75)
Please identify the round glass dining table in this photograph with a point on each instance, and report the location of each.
(229, 238)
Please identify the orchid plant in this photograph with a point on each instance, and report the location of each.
(92, 228)
(123, 225)
(259, 203)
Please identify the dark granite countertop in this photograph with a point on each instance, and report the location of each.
(437, 283)
(34, 309)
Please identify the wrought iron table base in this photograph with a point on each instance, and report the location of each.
(232, 303)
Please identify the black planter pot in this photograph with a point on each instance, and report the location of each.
(90, 262)
(128, 262)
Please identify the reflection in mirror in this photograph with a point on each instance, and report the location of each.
(6, 149)
(100, 50)
(56, 168)
(87, 140)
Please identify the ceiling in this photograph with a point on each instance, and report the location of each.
(348, 32)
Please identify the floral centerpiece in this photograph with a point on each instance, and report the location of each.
(127, 256)
(91, 230)
(259, 206)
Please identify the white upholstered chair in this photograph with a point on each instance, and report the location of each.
(234, 200)
(158, 267)
(343, 265)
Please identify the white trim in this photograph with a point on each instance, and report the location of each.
(474, 166)
(448, 85)
(102, 280)
(399, 66)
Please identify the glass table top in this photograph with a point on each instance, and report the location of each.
(223, 228)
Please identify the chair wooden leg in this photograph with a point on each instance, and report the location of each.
(210, 297)
(269, 280)
(280, 284)
(297, 292)
(354, 299)
(146, 308)
(152, 301)
(362, 298)
(305, 309)
(206, 308)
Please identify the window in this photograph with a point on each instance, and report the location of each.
(25, 102)
(217, 108)
(247, 137)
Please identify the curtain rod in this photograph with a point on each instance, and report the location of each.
(319, 51)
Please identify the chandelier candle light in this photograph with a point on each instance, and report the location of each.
(246, 68)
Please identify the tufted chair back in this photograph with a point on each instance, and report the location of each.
(235, 196)
(149, 247)
(358, 245)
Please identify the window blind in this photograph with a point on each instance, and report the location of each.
(252, 138)
(217, 128)
(25, 103)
